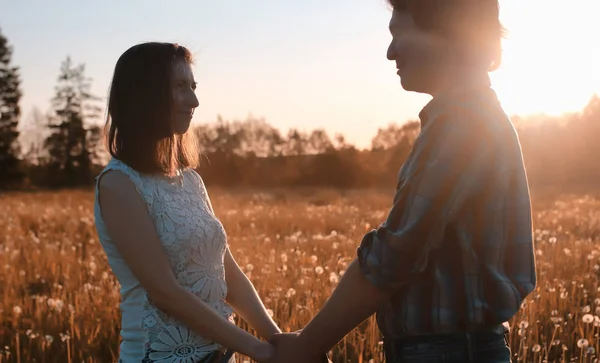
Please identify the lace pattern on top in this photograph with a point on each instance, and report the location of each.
(195, 242)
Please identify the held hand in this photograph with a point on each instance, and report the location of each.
(264, 352)
(289, 350)
(286, 346)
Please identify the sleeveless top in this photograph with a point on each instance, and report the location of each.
(195, 242)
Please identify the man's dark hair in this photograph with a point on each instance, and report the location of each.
(473, 23)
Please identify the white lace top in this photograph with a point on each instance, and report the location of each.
(195, 242)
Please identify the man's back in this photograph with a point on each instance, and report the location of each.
(456, 252)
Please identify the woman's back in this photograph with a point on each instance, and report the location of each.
(195, 242)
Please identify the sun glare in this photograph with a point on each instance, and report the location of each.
(551, 61)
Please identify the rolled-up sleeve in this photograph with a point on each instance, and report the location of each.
(447, 164)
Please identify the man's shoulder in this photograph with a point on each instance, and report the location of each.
(477, 112)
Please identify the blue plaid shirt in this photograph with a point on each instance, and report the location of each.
(456, 251)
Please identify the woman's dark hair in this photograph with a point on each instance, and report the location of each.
(139, 125)
(475, 23)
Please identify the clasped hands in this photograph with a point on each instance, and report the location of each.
(290, 349)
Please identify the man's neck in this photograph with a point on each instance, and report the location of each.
(457, 85)
(461, 79)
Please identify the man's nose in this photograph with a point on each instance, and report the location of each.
(391, 51)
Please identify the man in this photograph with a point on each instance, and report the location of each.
(454, 259)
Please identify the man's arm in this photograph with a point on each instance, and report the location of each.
(448, 162)
(352, 301)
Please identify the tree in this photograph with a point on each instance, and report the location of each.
(297, 143)
(10, 95)
(394, 134)
(319, 142)
(340, 142)
(221, 137)
(591, 112)
(34, 132)
(259, 138)
(68, 145)
(98, 155)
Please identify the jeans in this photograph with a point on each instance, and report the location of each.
(450, 348)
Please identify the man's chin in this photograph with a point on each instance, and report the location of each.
(406, 84)
(412, 86)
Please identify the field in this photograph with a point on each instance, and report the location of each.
(58, 298)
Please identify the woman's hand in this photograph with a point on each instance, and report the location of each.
(264, 352)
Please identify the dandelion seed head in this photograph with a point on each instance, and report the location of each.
(590, 350)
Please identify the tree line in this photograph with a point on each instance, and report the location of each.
(63, 146)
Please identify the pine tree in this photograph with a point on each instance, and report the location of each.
(69, 155)
(10, 95)
(34, 131)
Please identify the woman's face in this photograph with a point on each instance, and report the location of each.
(184, 96)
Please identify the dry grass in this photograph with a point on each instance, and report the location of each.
(58, 299)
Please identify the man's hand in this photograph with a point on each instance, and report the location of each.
(288, 350)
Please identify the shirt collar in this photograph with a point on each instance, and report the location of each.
(445, 99)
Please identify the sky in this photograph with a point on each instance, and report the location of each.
(305, 64)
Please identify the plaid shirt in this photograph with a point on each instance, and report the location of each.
(456, 251)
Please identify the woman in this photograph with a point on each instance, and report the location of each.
(179, 281)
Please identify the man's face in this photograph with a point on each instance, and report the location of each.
(422, 58)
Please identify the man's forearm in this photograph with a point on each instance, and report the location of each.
(354, 300)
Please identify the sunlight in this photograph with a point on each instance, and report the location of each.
(551, 58)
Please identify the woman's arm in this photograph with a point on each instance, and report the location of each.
(135, 237)
(242, 296)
